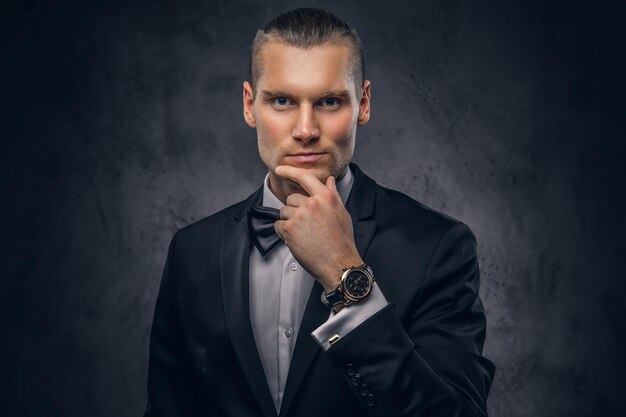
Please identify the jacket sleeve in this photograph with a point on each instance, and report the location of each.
(429, 361)
(172, 389)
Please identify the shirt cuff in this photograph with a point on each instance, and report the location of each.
(349, 318)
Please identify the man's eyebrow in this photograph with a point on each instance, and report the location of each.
(329, 93)
(275, 93)
(339, 93)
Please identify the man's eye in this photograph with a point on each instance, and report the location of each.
(281, 101)
(330, 102)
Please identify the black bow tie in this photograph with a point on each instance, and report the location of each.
(261, 226)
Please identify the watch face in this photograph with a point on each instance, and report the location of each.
(357, 284)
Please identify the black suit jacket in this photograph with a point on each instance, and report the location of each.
(419, 356)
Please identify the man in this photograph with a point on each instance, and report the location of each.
(322, 293)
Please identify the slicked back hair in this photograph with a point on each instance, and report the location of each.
(305, 28)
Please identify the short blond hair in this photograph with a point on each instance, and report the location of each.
(305, 28)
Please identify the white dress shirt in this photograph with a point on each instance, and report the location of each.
(279, 291)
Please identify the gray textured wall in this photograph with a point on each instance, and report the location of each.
(122, 122)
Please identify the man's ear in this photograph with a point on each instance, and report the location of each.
(364, 104)
(248, 100)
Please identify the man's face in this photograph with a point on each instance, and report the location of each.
(306, 109)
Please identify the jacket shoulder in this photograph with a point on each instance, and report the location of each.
(414, 215)
(397, 203)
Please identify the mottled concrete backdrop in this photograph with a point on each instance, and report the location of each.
(121, 122)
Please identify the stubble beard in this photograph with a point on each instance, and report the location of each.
(283, 187)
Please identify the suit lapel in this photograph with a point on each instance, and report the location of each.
(360, 205)
(234, 266)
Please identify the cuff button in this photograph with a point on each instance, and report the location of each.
(356, 380)
(350, 370)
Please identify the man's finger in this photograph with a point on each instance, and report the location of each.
(331, 184)
(278, 226)
(296, 199)
(286, 212)
(303, 177)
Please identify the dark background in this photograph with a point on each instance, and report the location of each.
(121, 122)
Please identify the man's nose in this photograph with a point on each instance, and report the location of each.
(306, 128)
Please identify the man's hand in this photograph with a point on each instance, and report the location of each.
(317, 229)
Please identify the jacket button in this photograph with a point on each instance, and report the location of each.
(370, 400)
(356, 380)
(365, 390)
(350, 369)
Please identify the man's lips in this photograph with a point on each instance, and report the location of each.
(305, 157)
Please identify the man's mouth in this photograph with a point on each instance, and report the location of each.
(305, 157)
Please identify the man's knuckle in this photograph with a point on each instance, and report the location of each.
(300, 216)
(311, 203)
(328, 195)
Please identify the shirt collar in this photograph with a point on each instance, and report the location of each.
(344, 185)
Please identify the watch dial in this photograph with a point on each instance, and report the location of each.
(357, 284)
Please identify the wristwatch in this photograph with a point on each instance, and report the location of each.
(355, 285)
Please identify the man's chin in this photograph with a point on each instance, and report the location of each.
(321, 173)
